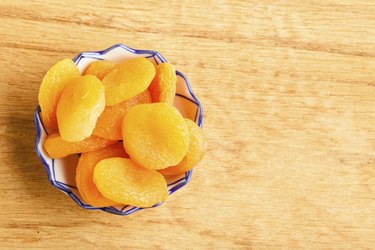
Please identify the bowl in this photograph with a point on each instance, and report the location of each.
(61, 172)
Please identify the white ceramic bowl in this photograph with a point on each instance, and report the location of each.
(61, 172)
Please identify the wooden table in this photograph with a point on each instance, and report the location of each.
(288, 90)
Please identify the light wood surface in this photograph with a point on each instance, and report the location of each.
(288, 90)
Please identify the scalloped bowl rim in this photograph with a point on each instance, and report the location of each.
(56, 184)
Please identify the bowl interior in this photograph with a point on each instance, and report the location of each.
(61, 172)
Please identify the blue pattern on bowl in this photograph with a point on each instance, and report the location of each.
(61, 172)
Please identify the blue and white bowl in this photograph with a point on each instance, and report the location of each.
(61, 172)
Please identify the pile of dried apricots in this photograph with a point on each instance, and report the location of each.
(120, 118)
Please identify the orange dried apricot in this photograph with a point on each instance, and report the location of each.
(128, 79)
(123, 181)
(197, 149)
(109, 122)
(99, 68)
(85, 174)
(155, 135)
(163, 86)
(56, 147)
(79, 107)
(51, 88)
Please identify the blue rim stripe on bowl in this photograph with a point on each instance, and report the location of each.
(63, 186)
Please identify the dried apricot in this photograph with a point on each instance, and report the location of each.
(109, 122)
(99, 68)
(163, 86)
(85, 174)
(51, 88)
(155, 135)
(79, 107)
(123, 181)
(128, 79)
(197, 149)
(56, 147)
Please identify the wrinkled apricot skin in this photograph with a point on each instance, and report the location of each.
(197, 149)
(85, 174)
(99, 68)
(119, 121)
(155, 135)
(128, 79)
(163, 86)
(51, 88)
(109, 122)
(79, 107)
(56, 147)
(123, 181)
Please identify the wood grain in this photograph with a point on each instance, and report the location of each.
(288, 92)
